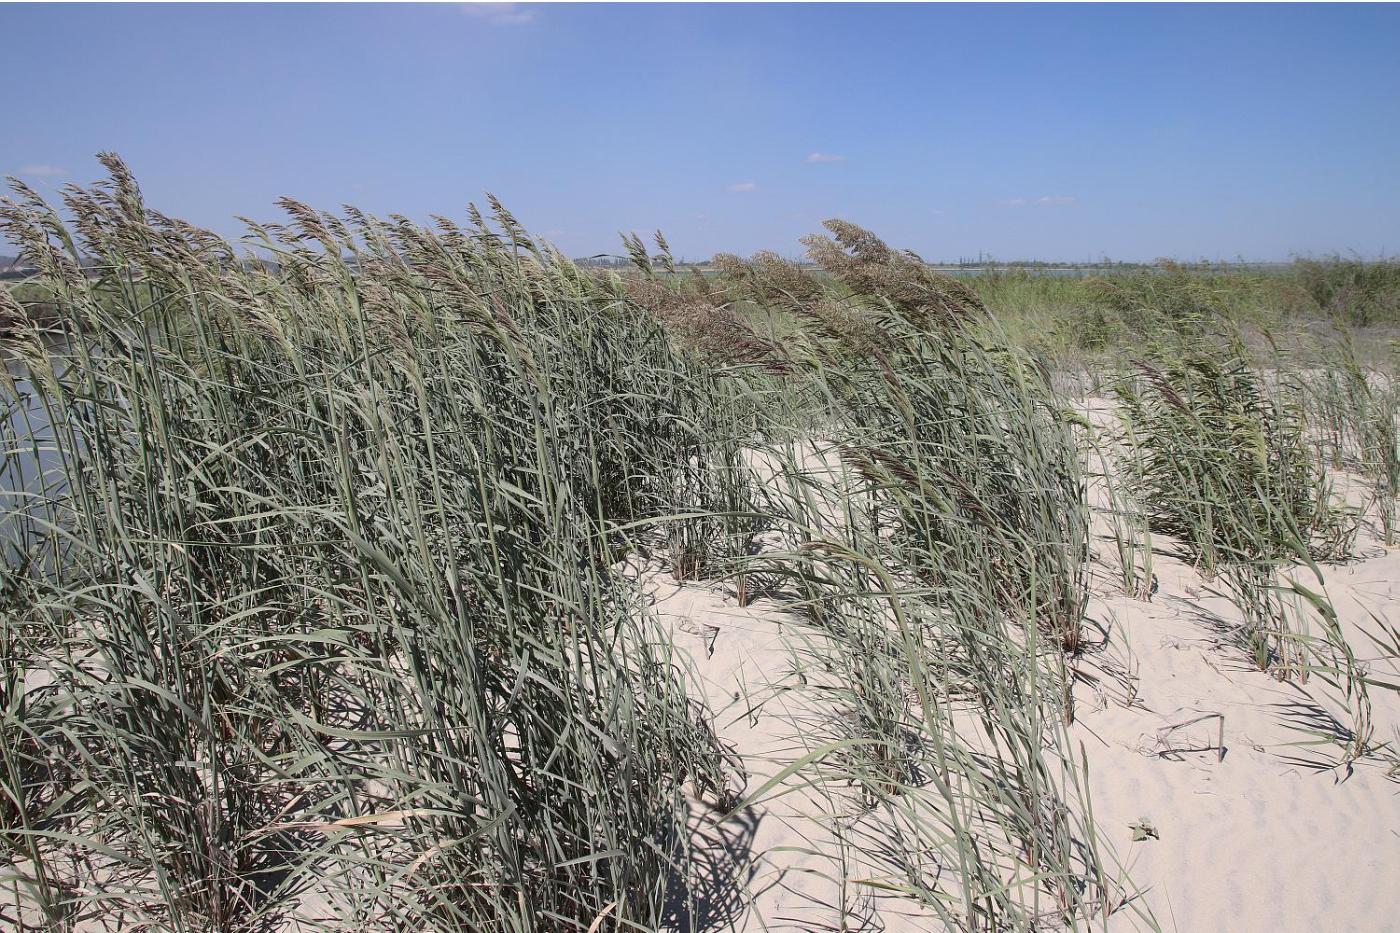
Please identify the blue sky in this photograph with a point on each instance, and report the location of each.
(1057, 132)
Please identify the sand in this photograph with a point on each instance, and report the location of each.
(1270, 835)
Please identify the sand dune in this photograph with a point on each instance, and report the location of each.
(1270, 834)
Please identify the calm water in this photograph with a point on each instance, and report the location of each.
(31, 470)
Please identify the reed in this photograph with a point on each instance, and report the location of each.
(313, 550)
(333, 620)
(1222, 464)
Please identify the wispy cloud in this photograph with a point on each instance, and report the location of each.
(742, 187)
(42, 171)
(1047, 200)
(824, 157)
(502, 14)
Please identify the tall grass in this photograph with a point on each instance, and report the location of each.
(961, 434)
(935, 538)
(333, 634)
(1359, 293)
(309, 561)
(1224, 466)
(311, 605)
(1352, 413)
(1221, 461)
(313, 616)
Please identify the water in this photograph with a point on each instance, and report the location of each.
(32, 474)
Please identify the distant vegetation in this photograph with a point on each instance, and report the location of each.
(1077, 308)
(1071, 317)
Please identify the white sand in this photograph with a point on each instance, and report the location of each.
(1274, 837)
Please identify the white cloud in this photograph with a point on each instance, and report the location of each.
(824, 157)
(1048, 200)
(502, 14)
(42, 171)
(741, 187)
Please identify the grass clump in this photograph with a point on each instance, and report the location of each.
(333, 621)
(1220, 461)
(970, 458)
(1221, 464)
(1352, 413)
(936, 536)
